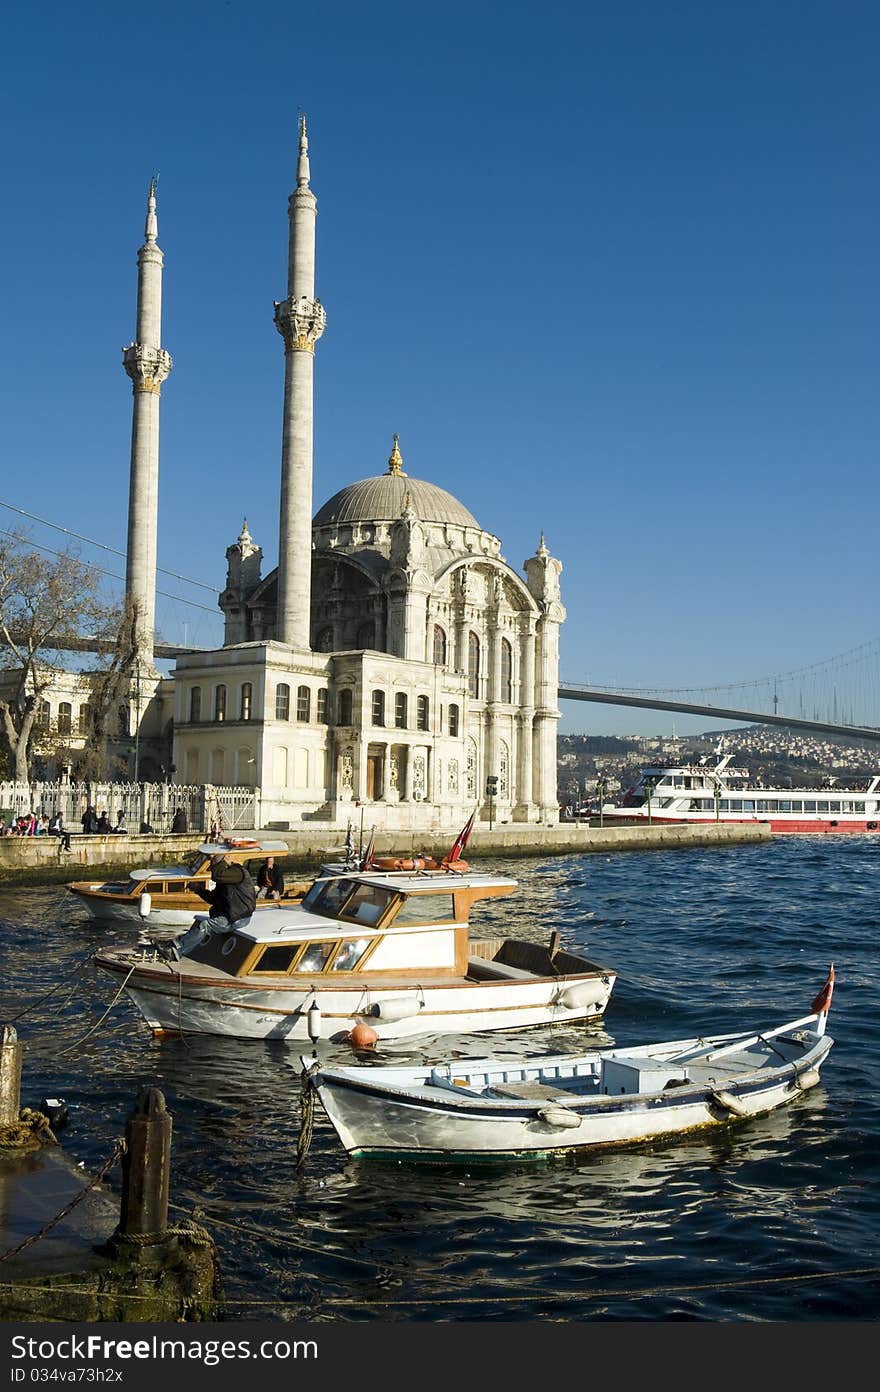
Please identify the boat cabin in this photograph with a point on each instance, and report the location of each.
(359, 923)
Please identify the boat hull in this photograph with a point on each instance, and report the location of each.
(172, 1005)
(434, 1129)
(779, 826)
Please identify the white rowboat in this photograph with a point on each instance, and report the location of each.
(493, 1109)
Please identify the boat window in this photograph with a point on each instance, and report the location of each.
(224, 950)
(367, 904)
(276, 959)
(822, 806)
(350, 953)
(748, 804)
(314, 959)
(797, 805)
(195, 862)
(809, 806)
(327, 896)
(784, 805)
(426, 908)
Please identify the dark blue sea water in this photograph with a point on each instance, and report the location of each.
(776, 1219)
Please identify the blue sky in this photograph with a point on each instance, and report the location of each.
(610, 270)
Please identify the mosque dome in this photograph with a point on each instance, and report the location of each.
(383, 497)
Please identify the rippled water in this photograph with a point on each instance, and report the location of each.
(776, 1219)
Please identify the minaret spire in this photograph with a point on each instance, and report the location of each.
(147, 364)
(300, 319)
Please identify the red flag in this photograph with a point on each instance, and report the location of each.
(462, 839)
(367, 863)
(822, 1003)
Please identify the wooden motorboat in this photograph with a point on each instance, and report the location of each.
(166, 896)
(392, 952)
(493, 1109)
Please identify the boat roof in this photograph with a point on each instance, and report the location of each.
(245, 844)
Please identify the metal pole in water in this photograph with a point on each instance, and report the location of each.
(146, 1167)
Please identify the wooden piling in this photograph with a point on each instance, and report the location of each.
(146, 1168)
(10, 1076)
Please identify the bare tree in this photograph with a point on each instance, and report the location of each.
(50, 606)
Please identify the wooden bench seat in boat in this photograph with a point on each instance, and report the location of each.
(532, 1090)
(481, 969)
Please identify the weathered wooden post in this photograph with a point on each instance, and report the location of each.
(10, 1076)
(146, 1168)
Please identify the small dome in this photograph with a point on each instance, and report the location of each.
(382, 499)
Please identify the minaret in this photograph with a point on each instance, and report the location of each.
(147, 364)
(300, 319)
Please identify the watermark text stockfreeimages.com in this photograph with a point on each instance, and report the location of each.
(93, 1348)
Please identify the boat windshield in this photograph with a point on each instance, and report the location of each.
(349, 899)
(195, 862)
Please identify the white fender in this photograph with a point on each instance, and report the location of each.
(809, 1078)
(394, 1008)
(145, 904)
(313, 1022)
(580, 994)
(729, 1103)
(560, 1117)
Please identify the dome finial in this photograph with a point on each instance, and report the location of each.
(395, 460)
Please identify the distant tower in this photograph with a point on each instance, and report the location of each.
(147, 364)
(300, 319)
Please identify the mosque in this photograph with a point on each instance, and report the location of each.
(393, 660)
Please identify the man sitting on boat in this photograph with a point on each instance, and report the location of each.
(232, 897)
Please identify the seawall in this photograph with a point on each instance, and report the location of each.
(40, 859)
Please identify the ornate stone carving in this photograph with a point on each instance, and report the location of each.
(394, 772)
(147, 367)
(503, 771)
(420, 782)
(300, 323)
(471, 768)
(453, 777)
(346, 773)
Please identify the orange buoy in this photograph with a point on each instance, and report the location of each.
(362, 1036)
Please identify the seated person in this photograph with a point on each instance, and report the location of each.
(270, 881)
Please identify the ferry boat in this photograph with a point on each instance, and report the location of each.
(718, 792)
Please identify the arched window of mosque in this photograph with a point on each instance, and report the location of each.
(44, 716)
(85, 715)
(423, 711)
(345, 699)
(379, 708)
(439, 646)
(247, 697)
(506, 671)
(195, 703)
(282, 701)
(220, 702)
(65, 718)
(325, 640)
(473, 665)
(453, 721)
(303, 703)
(321, 709)
(400, 704)
(365, 635)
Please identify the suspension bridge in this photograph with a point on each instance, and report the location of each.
(838, 696)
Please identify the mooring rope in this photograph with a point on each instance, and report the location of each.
(57, 987)
(306, 1115)
(98, 1023)
(118, 1150)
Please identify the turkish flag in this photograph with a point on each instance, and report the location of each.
(823, 1001)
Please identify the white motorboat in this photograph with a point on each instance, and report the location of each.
(391, 952)
(167, 896)
(493, 1109)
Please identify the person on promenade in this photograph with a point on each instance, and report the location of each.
(121, 824)
(56, 828)
(179, 822)
(104, 828)
(270, 881)
(89, 821)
